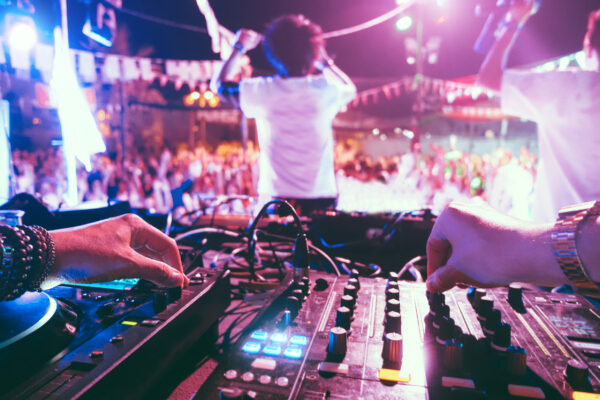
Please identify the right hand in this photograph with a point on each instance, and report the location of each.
(248, 38)
(473, 244)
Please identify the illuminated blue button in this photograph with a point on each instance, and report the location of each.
(272, 350)
(293, 352)
(278, 337)
(259, 335)
(251, 347)
(299, 340)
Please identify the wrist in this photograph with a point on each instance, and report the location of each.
(237, 46)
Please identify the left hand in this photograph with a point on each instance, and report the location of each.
(116, 248)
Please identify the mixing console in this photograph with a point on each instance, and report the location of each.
(376, 338)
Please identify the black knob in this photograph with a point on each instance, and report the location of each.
(351, 290)
(343, 317)
(391, 285)
(392, 276)
(446, 330)
(392, 350)
(392, 294)
(516, 360)
(492, 321)
(303, 287)
(515, 295)
(501, 336)
(159, 301)
(453, 354)
(393, 322)
(486, 305)
(392, 305)
(354, 282)
(299, 294)
(293, 305)
(174, 294)
(471, 293)
(306, 281)
(443, 311)
(354, 273)
(338, 338)
(479, 293)
(577, 374)
(232, 394)
(348, 301)
(105, 310)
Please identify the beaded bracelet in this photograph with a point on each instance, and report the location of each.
(28, 254)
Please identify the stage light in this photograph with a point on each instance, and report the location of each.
(432, 58)
(195, 95)
(441, 19)
(22, 34)
(411, 60)
(376, 132)
(404, 23)
(208, 95)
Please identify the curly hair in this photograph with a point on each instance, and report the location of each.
(592, 37)
(292, 43)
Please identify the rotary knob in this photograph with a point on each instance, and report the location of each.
(354, 282)
(159, 301)
(515, 295)
(343, 318)
(293, 305)
(392, 276)
(516, 360)
(453, 354)
(501, 336)
(351, 290)
(443, 311)
(303, 287)
(392, 350)
(338, 338)
(174, 294)
(436, 300)
(446, 330)
(577, 374)
(393, 322)
(492, 321)
(392, 305)
(391, 285)
(348, 301)
(299, 294)
(479, 293)
(354, 273)
(232, 394)
(486, 305)
(392, 293)
(306, 281)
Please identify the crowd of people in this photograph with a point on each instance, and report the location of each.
(188, 180)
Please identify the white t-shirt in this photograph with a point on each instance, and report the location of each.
(293, 120)
(566, 107)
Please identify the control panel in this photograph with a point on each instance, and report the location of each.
(353, 337)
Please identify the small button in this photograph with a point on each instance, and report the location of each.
(299, 340)
(251, 347)
(150, 322)
(278, 337)
(248, 376)
(392, 375)
(293, 352)
(264, 363)
(530, 392)
(97, 354)
(272, 350)
(230, 374)
(265, 379)
(259, 335)
(282, 381)
(116, 339)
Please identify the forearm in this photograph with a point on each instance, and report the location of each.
(492, 68)
(227, 69)
(588, 248)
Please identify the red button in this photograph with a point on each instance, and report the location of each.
(96, 354)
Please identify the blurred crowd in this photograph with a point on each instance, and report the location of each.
(189, 181)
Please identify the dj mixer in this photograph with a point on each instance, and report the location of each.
(331, 337)
(111, 340)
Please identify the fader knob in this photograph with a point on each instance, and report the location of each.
(354, 282)
(515, 295)
(351, 290)
(393, 322)
(343, 317)
(516, 360)
(348, 301)
(338, 338)
(453, 354)
(501, 336)
(392, 305)
(293, 305)
(577, 374)
(392, 294)
(392, 349)
(232, 394)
